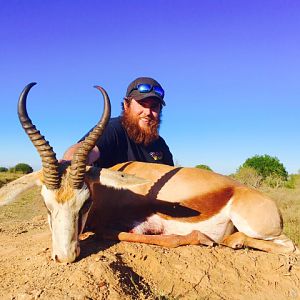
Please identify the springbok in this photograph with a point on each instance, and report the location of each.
(142, 202)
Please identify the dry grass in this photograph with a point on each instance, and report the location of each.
(6, 177)
(26, 206)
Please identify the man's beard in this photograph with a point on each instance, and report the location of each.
(140, 135)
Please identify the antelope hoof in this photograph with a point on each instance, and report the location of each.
(235, 241)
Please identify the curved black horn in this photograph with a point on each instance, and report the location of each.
(79, 161)
(48, 156)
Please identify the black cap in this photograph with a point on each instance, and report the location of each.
(140, 96)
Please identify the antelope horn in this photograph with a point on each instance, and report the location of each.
(79, 161)
(48, 156)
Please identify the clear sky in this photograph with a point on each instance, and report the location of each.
(230, 70)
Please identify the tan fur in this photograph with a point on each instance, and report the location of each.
(190, 195)
(182, 200)
(65, 192)
(206, 205)
(261, 212)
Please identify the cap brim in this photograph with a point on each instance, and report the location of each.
(140, 96)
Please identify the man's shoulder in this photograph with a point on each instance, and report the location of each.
(114, 131)
(161, 141)
(115, 124)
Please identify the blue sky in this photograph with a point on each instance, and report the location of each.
(230, 70)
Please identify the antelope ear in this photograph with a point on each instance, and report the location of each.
(116, 179)
(10, 191)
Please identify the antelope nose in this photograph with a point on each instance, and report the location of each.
(64, 260)
(56, 259)
(66, 254)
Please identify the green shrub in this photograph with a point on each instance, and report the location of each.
(293, 181)
(205, 167)
(274, 181)
(3, 169)
(266, 166)
(248, 176)
(23, 168)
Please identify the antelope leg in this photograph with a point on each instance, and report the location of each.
(282, 244)
(170, 241)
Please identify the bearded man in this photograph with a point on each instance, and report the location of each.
(133, 136)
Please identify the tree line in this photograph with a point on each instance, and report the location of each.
(256, 171)
(262, 170)
(18, 168)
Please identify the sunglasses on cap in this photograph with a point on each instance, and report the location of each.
(147, 88)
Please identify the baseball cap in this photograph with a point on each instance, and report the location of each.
(155, 90)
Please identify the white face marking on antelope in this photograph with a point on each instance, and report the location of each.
(66, 221)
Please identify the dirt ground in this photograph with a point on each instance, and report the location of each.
(107, 270)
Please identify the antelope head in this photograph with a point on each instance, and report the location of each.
(65, 193)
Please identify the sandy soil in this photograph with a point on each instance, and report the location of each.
(107, 270)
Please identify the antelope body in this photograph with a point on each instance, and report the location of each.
(143, 202)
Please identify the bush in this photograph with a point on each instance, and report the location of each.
(205, 167)
(266, 166)
(12, 170)
(293, 181)
(23, 168)
(274, 181)
(3, 169)
(248, 176)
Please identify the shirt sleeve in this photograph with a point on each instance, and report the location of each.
(107, 144)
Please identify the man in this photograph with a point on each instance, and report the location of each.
(134, 136)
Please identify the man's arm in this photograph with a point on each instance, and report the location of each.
(92, 157)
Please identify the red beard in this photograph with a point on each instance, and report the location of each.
(140, 135)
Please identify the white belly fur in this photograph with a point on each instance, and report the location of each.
(215, 227)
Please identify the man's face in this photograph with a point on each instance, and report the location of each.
(141, 119)
(145, 111)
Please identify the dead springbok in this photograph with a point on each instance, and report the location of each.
(172, 206)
